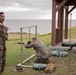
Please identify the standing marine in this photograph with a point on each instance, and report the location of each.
(3, 38)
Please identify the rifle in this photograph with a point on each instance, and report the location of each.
(23, 42)
(20, 43)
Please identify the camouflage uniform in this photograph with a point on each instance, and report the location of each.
(43, 53)
(3, 32)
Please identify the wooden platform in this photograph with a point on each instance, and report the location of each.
(59, 47)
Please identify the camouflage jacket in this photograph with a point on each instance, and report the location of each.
(41, 50)
(3, 34)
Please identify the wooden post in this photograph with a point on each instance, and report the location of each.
(61, 26)
(59, 22)
(53, 22)
(60, 8)
(66, 23)
(57, 35)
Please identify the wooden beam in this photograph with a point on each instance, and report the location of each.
(26, 59)
(53, 23)
(71, 9)
(61, 48)
(61, 4)
(29, 58)
(26, 66)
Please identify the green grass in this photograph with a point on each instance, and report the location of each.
(73, 32)
(14, 54)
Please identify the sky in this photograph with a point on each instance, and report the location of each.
(28, 9)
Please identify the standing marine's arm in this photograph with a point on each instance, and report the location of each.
(4, 30)
(29, 45)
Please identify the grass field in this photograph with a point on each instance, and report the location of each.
(14, 54)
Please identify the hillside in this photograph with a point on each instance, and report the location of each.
(13, 57)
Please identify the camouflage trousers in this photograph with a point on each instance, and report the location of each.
(0, 65)
(2, 56)
(42, 60)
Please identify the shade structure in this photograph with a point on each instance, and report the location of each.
(61, 7)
